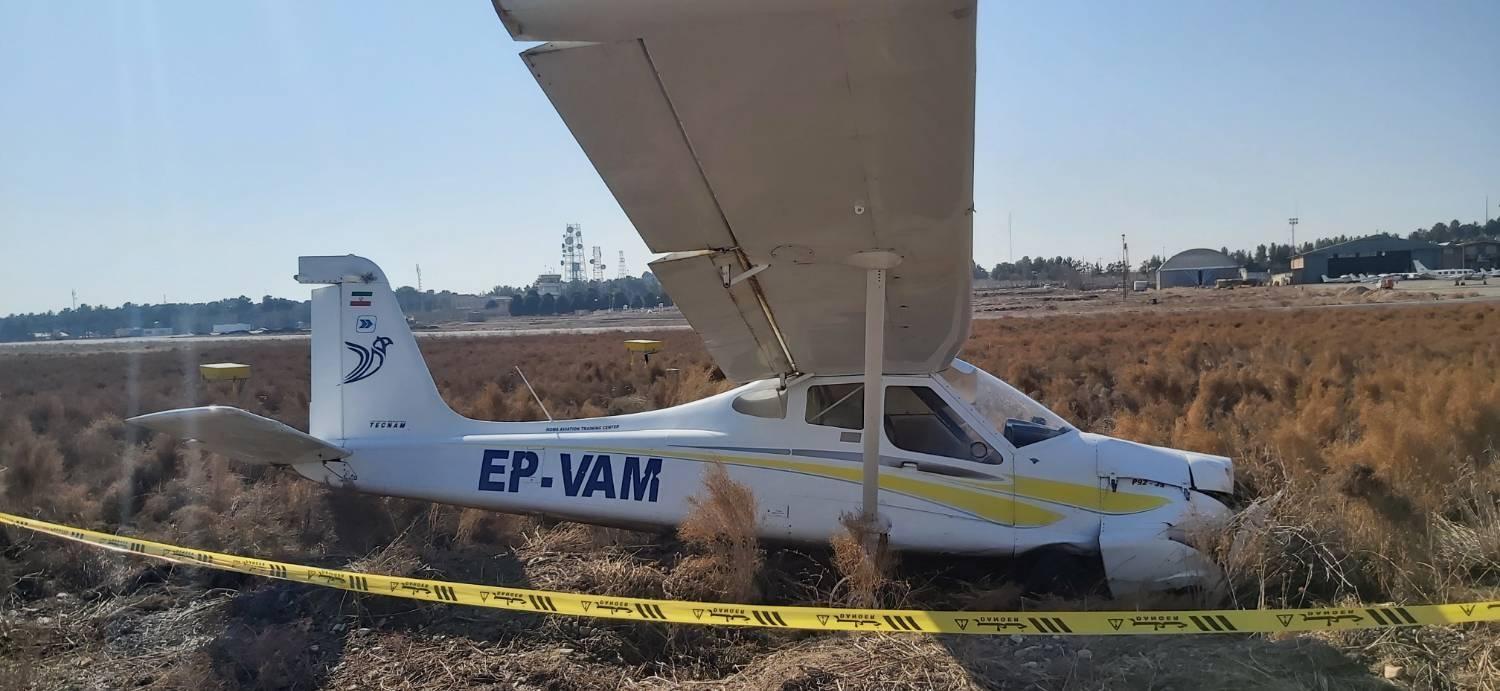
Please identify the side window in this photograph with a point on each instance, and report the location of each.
(836, 405)
(918, 419)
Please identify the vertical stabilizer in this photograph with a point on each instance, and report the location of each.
(368, 377)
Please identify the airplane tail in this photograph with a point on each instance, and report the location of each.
(1416, 264)
(368, 377)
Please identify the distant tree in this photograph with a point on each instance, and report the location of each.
(548, 304)
(409, 299)
(637, 302)
(533, 302)
(564, 304)
(979, 272)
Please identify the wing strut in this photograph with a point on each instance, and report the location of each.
(874, 400)
(875, 263)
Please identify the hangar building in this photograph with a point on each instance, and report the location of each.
(1370, 256)
(1196, 267)
(1483, 253)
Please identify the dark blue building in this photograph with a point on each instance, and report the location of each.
(1369, 256)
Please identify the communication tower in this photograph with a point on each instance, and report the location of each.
(621, 263)
(572, 254)
(598, 263)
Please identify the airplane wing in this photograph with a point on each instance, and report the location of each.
(763, 142)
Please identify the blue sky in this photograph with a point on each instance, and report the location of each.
(192, 150)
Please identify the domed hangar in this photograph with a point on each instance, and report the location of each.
(1196, 267)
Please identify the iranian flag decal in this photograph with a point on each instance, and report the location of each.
(360, 298)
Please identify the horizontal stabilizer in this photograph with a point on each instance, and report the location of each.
(241, 436)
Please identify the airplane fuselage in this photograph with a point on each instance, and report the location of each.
(1069, 490)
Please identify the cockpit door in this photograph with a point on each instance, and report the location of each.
(936, 434)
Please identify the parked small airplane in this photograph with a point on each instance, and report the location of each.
(1346, 278)
(806, 166)
(1422, 272)
(1360, 278)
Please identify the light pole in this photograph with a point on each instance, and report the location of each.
(1293, 221)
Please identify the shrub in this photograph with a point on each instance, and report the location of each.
(32, 467)
(865, 561)
(720, 529)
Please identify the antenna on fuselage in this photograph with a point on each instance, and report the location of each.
(535, 397)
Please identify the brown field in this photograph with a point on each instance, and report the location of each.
(1365, 441)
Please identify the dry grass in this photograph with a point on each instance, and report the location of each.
(1364, 437)
(862, 555)
(720, 530)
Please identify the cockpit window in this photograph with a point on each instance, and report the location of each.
(1022, 420)
(836, 405)
(918, 419)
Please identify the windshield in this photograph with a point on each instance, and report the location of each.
(996, 400)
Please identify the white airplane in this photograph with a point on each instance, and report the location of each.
(1346, 278)
(1422, 272)
(806, 166)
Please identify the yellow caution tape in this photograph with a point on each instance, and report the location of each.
(814, 618)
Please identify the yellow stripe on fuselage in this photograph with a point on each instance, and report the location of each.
(998, 501)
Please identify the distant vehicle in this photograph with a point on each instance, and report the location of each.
(790, 293)
(232, 328)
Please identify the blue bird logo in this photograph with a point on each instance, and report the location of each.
(370, 359)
